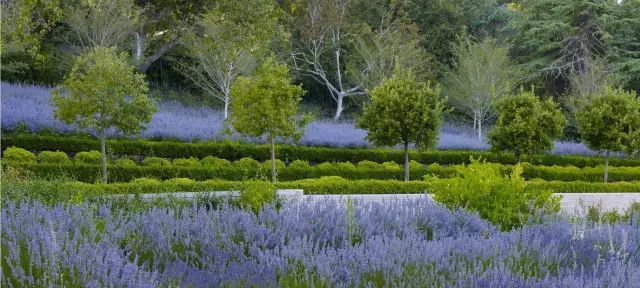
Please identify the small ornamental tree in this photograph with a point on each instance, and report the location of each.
(611, 122)
(403, 111)
(102, 91)
(266, 104)
(526, 125)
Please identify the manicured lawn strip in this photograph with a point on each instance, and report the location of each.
(235, 150)
(91, 172)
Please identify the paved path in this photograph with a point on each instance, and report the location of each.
(571, 202)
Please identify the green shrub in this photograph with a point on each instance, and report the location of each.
(211, 161)
(299, 164)
(345, 166)
(145, 181)
(234, 150)
(180, 182)
(186, 162)
(266, 165)
(415, 165)
(391, 165)
(325, 166)
(18, 155)
(155, 162)
(56, 157)
(506, 201)
(90, 157)
(257, 193)
(368, 164)
(246, 163)
(125, 162)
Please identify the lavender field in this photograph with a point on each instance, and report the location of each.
(411, 243)
(30, 106)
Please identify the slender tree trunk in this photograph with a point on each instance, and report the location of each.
(406, 161)
(519, 154)
(606, 166)
(273, 159)
(103, 151)
(138, 46)
(479, 130)
(226, 108)
(338, 106)
(475, 121)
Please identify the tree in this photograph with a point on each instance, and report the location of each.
(233, 36)
(24, 24)
(101, 92)
(526, 125)
(483, 74)
(395, 41)
(101, 23)
(610, 122)
(554, 39)
(322, 37)
(266, 104)
(403, 111)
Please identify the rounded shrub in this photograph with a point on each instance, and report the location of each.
(368, 164)
(257, 193)
(87, 157)
(299, 164)
(182, 183)
(155, 162)
(266, 165)
(56, 157)
(211, 161)
(246, 163)
(415, 165)
(186, 162)
(18, 155)
(345, 165)
(390, 165)
(125, 162)
(324, 166)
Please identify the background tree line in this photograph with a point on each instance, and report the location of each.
(339, 50)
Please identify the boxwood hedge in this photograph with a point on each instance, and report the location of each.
(235, 150)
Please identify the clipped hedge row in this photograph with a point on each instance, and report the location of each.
(327, 185)
(247, 168)
(235, 150)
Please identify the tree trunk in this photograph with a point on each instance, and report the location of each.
(103, 151)
(475, 121)
(606, 166)
(338, 106)
(479, 129)
(273, 159)
(138, 46)
(406, 162)
(519, 154)
(226, 108)
(144, 66)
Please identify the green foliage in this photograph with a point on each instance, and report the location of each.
(266, 165)
(391, 165)
(18, 155)
(503, 200)
(234, 151)
(257, 193)
(211, 161)
(56, 157)
(125, 162)
(247, 163)
(403, 111)
(299, 164)
(186, 162)
(266, 103)
(368, 164)
(146, 181)
(611, 122)
(90, 157)
(103, 91)
(526, 125)
(155, 162)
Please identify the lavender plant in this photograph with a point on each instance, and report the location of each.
(410, 243)
(29, 107)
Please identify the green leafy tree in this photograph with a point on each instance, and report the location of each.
(611, 123)
(266, 104)
(101, 92)
(526, 125)
(403, 111)
(483, 74)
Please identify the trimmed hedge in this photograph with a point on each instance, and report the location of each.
(18, 155)
(327, 185)
(235, 150)
(248, 168)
